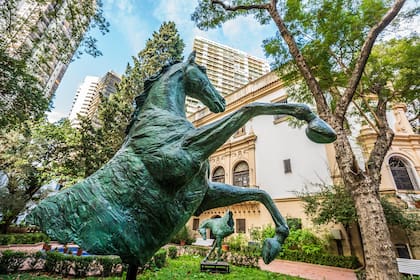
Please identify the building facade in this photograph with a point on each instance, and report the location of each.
(84, 99)
(268, 154)
(106, 86)
(228, 69)
(88, 96)
(46, 35)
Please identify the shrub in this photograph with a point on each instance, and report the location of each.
(182, 235)
(23, 238)
(108, 265)
(11, 261)
(236, 243)
(304, 240)
(172, 252)
(319, 258)
(260, 234)
(294, 223)
(160, 258)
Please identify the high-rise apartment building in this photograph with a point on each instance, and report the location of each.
(84, 99)
(227, 68)
(46, 34)
(88, 96)
(106, 86)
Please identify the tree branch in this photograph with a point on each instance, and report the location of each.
(228, 7)
(382, 143)
(365, 117)
(313, 85)
(363, 57)
(322, 106)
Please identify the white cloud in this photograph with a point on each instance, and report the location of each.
(243, 33)
(124, 16)
(55, 116)
(247, 34)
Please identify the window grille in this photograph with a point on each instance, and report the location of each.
(400, 173)
(241, 174)
(240, 225)
(218, 175)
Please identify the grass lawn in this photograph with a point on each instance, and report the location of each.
(186, 267)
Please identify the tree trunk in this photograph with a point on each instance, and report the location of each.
(5, 224)
(132, 272)
(380, 256)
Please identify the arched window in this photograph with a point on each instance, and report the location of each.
(401, 174)
(218, 175)
(241, 174)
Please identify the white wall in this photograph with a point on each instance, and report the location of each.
(277, 142)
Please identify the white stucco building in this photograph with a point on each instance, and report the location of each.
(84, 98)
(269, 154)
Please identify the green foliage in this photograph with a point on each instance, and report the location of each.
(304, 246)
(159, 258)
(294, 223)
(319, 258)
(116, 111)
(62, 264)
(331, 204)
(11, 261)
(187, 267)
(173, 252)
(182, 235)
(23, 238)
(258, 234)
(21, 97)
(396, 216)
(237, 242)
(305, 241)
(32, 155)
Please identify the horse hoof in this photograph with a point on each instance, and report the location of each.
(320, 132)
(270, 250)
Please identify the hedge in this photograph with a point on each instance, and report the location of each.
(23, 238)
(70, 265)
(323, 259)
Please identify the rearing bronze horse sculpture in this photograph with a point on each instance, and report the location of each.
(158, 179)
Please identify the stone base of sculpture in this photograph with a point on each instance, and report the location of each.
(214, 267)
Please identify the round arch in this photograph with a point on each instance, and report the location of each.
(402, 172)
(218, 174)
(241, 174)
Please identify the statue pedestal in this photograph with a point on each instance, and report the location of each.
(219, 267)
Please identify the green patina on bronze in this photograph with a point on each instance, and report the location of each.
(220, 227)
(158, 179)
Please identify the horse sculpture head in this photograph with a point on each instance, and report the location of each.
(198, 86)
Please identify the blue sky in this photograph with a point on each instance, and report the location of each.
(132, 23)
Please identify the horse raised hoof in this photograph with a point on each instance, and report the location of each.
(320, 132)
(271, 248)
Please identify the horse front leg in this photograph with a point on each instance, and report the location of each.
(220, 195)
(207, 139)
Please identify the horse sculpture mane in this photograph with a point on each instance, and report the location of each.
(140, 99)
(158, 179)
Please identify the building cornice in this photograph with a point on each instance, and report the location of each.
(257, 89)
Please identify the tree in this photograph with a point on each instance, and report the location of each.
(36, 36)
(30, 157)
(21, 97)
(115, 112)
(334, 204)
(326, 44)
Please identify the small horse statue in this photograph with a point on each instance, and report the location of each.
(158, 179)
(220, 227)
